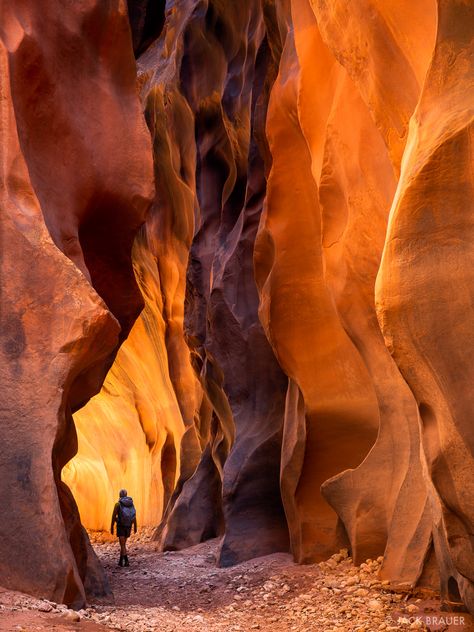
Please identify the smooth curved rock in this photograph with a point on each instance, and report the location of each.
(297, 308)
(47, 333)
(310, 155)
(424, 289)
(227, 102)
(67, 174)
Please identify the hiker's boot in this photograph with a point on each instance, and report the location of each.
(121, 560)
(126, 560)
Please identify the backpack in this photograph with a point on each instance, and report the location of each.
(126, 512)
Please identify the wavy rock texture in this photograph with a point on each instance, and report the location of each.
(328, 146)
(310, 157)
(129, 435)
(337, 125)
(211, 72)
(73, 193)
(425, 286)
(207, 122)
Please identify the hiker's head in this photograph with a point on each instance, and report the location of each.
(123, 493)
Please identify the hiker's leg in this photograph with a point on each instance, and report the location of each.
(125, 557)
(123, 545)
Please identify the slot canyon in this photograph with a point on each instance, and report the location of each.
(236, 242)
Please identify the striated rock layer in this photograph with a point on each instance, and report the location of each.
(76, 182)
(227, 98)
(425, 286)
(207, 125)
(299, 375)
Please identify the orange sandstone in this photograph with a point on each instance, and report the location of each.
(299, 376)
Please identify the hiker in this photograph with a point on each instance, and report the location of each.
(125, 516)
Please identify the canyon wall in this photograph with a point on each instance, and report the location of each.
(336, 152)
(424, 289)
(76, 183)
(298, 378)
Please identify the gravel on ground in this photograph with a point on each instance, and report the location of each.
(184, 591)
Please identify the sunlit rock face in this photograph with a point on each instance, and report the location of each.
(299, 377)
(73, 193)
(425, 285)
(342, 143)
(331, 145)
(129, 435)
(223, 60)
(285, 116)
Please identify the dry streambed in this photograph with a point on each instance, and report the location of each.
(184, 590)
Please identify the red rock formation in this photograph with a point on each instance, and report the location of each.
(303, 149)
(130, 434)
(188, 122)
(298, 310)
(75, 168)
(424, 289)
(224, 103)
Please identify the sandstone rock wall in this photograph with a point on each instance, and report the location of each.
(207, 124)
(76, 182)
(299, 376)
(425, 284)
(335, 160)
(222, 65)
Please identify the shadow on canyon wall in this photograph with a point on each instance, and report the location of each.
(283, 354)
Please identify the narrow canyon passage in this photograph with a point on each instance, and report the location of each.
(236, 274)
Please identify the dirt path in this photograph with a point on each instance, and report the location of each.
(185, 591)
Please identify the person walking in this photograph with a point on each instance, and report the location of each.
(125, 516)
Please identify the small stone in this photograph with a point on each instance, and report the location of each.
(332, 564)
(416, 625)
(45, 607)
(72, 615)
(351, 581)
(412, 608)
(375, 604)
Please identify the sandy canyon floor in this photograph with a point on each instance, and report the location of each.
(185, 591)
